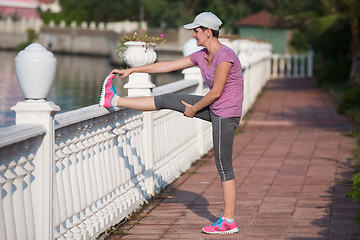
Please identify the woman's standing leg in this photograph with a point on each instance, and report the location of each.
(229, 194)
(223, 137)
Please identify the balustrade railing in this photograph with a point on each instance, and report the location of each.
(292, 65)
(22, 25)
(73, 175)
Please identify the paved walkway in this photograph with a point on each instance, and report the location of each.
(292, 165)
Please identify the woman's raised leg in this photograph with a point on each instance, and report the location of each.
(137, 103)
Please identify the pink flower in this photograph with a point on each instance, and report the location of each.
(143, 30)
(162, 35)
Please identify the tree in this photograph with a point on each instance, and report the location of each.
(331, 27)
(352, 9)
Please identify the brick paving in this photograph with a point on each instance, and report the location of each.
(292, 164)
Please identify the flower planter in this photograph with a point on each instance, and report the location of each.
(35, 69)
(139, 54)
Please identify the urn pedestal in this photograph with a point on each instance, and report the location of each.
(139, 54)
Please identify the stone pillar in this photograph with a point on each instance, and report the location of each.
(41, 112)
(35, 70)
(140, 85)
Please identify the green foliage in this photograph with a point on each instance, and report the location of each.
(142, 36)
(48, 16)
(355, 193)
(94, 10)
(165, 13)
(355, 189)
(330, 36)
(32, 37)
(334, 72)
(327, 28)
(299, 41)
(350, 101)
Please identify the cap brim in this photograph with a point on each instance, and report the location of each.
(191, 26)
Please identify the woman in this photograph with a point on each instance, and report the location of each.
(222, 105)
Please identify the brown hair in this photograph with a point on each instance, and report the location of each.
(215, 33)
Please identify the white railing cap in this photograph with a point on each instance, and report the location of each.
(20, 132)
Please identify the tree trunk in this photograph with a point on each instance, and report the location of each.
(355, 67)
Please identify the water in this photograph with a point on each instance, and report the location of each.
(77, 84)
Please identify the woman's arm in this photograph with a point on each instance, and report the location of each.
(221, 74)
(160, 67)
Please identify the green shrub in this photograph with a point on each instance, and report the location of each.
(334, 72)
(350, 101)
(32, 37)
(355, 193)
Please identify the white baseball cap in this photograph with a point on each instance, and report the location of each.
(205, 19)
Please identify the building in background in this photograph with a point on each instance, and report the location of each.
(267, 27)
(27, 9)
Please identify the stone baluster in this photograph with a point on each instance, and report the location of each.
(135, 153)
(112, 170)
(81, 179)
(101, 201)
(288, 66)
(282, 66)
(75, 187)
(129, 155)
(94, 207)
(108, 178)
(60, 191)
(310, 63)
(104, 159)
(66, 162)
(302, 65)
(18, 199)
(29, 167)
(140, 143)
(2, 209)
(296, 65)
(119, 167)
(126, 166)
(275, 67)
(87, 182)
(7, 201)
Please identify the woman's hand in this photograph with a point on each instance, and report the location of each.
(189, 110)
(122, 72)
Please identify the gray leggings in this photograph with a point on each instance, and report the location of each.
(223, 129)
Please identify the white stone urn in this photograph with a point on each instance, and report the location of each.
(139, 54)
(190, 47)
(35, 69)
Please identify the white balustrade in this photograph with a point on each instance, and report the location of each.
(292, 65)
(22, 25)
(77, 173)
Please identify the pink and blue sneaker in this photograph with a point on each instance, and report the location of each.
(221, 226)
(109, 94)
